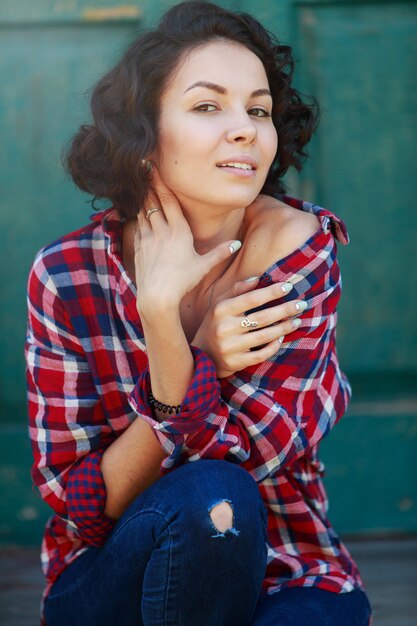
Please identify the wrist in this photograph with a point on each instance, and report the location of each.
(157, 312)
(160, 409)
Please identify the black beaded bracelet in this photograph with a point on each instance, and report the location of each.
(165, 408)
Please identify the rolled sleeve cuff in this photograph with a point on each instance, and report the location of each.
(201, 398)
(86, 500)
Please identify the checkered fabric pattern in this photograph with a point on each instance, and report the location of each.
(88, 379)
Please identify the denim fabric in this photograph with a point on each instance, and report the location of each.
(166, 564)
(310, 606)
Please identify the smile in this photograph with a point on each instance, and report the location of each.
(241, 166)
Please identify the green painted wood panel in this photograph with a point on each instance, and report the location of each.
(365, 456)
(50, 55)
(45, 73)
(358, 58)
(66, 11)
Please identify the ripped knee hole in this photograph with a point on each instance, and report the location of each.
(222, 516)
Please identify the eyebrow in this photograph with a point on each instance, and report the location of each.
(222, 90)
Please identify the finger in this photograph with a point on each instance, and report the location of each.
(142, 225)
(166, 198)
(157, 218)
(264, 336)
(275, 314)
(252, 299)
(247, 359)
(239, 287)
(137, 240)
(218, 254)
(263, 354)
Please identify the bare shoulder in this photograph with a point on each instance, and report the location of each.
(276, 230)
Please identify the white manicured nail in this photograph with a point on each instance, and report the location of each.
(301, 305)
(295, 323)
(250, 279)
(281, 339)
(234, 246)
(286, 287)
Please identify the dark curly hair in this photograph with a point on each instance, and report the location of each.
(104, 158)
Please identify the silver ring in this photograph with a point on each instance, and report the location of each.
(246, 323)
(152, 210)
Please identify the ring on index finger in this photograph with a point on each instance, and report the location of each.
(152, 210)
(246, 323)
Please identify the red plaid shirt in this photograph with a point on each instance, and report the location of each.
(88, 379)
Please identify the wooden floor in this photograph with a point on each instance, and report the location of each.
(388, 567)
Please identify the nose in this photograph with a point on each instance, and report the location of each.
(243, 130)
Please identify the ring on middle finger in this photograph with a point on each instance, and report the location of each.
(246, 323)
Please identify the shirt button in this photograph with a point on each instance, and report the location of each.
(326, 224)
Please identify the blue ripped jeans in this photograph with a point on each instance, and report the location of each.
(168, 562)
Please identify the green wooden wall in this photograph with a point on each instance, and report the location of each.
(359, 59)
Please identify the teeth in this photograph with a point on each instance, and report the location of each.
(242, 166)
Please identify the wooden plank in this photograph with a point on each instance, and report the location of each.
(388, 568)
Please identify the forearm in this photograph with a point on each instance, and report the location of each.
(171, 363)
(132, 462)
(129, 466)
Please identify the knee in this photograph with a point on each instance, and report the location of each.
(230, 475)
(221, 491)
(230, 498)
(222, 516)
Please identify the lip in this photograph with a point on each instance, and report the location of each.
(239, 158)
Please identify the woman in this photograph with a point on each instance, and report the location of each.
(192, 321)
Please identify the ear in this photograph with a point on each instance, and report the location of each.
(147, 165)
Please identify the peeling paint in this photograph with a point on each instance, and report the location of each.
(124, 11)
(405, 504)
(27, 514)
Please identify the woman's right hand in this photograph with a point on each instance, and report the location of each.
(223, 338)
(167, 265)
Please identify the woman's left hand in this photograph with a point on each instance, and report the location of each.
(230, 345)
(166, 263)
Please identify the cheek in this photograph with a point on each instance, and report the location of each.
(169, 158)
(176, 162)
(188, 137)
(186, 153)
(271, 143)
(174, 153)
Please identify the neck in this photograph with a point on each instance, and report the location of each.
(210, 228)
(207, 234)
(209, 231)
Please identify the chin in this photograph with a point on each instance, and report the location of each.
(230, 197)
(239, 198)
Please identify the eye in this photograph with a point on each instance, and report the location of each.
(258, 112)
(205, 108)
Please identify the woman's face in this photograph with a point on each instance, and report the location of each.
(216, 136)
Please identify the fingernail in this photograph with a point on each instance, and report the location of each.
(281, 339)
(286, 287)
(234, 246)
(295, 323)
(301, 305)
(250, 279)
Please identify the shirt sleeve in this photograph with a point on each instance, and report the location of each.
(67, 427)
(265, 416)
